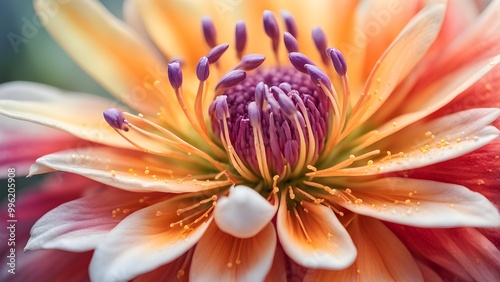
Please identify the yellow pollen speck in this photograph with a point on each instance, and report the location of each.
(379, 80)
(408, 201)
(113, 173)
(358, 271)
(146, 171)
(352, 156)
(140, 115)
(475, 137)
(229, 264)
(348, 191)
(310, 167)
(159, 213)
(428, 134)
(180, 273)
(131, 170)
(396, 202)
(480, 182)
(370, 163)
(73, 156)
(394, 124)
(458, 140)
(410, 194)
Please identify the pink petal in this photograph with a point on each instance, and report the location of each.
(381, 256)
(81, 224)
(231, 258)
(462, 251)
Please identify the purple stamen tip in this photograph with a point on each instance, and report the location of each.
(175, 75)
(203, 69)
(319, 39)
(318, 75)
(216, 52)
(231, 78)
(298, 60)
(114, 117)
(271, 27)
(286, 104)
(221, 107)
(337, 60)
(291, 25)
(251, 61)
(253, 114)
(209, 31)
(241, 36)
(261, 91)
(291, 43)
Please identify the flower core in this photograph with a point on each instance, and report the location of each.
(276, 121)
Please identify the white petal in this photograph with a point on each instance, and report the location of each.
(422, 203)
(244, 213)
(146, 240)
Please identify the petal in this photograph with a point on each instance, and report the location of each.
(381, 257)
(81, 224)
(231, 258)
(110, 52)
(177, 270)
(327, 244)
(149, 238)
(243, 213)
(76, 113)
(432, 98)
(397, 61)
(430, 142)
(464, 252)
(131, 170)
(421, 203)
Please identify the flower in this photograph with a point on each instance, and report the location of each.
(337, 156)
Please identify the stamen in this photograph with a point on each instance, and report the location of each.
(230, 79)
(255, 122)
(318, 75)
(114, 117)
(250, 62)
(175, 75)
(209, 31)
(203, 69)
(308, 239)
(216, 52)
(291, 25)
(335, 170)
(299, 61)
(337, 60)
(319, 39)
(272, 30)
(241, 38)
(291, 43)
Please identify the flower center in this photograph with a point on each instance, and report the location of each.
(275, 120)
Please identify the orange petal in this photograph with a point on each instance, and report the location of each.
(149, 238)
(398, 60)
(111, 53)
(315, 238)
(382, 257)
(132, 171)
(231, 258)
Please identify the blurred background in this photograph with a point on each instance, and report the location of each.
(28, 53)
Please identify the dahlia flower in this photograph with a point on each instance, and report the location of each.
(259, 140)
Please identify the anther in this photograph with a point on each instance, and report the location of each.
(250, 62)
(175, 75)
(261, 90)
(299, 60)
(241, 37)
(209, 31)
(338, 61)
(203, 69)
(317, 75)
(291, 25)
(221, 109)
(319, 39)
(291, 43)
(216, 52)
(114, 117)
(231, 78)
(272, 29)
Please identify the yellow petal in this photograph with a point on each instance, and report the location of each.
(76, 113)
(111, 53)
(231, 258)
(382, 257)
(315, 238)
(132, 171)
